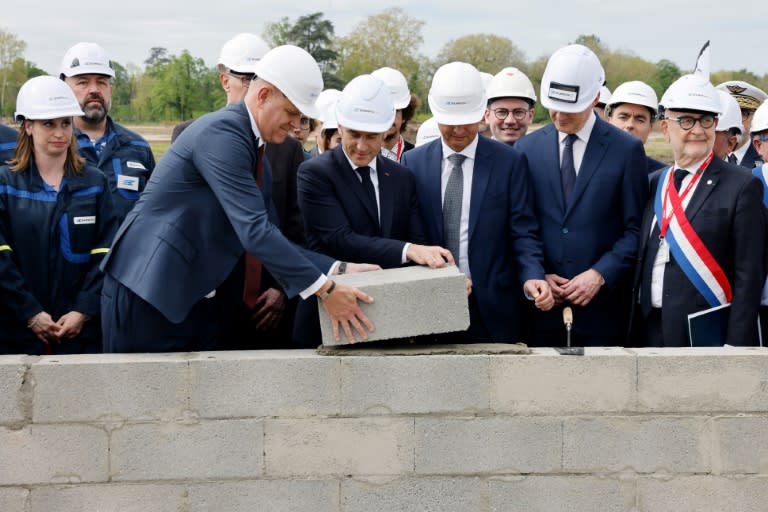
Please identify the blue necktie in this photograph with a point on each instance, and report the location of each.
(568, 168)
(454, 193)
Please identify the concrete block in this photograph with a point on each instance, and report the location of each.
(296, 383)
(495, 445)
(740, 444)
(44, 454)
(635, 443)
(409, 301)
(267, 495)
(14, 499)
(414, 385)
(699, 493)
(343, 446)
(410, 494)
(174, 451)
(550, 384)
(702, 379)
(12, 396)
(561, 494)
(110, 387)
(109, 498)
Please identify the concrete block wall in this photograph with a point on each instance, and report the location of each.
(615, 430)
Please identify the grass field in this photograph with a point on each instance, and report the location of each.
(159, 137)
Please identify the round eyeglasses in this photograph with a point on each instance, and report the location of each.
(706, 121)
(517, 113)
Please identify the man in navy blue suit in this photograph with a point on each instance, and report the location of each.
(476, 200)
(358, 205)
(590, 184)
(202, 209)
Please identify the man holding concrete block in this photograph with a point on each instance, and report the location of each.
(357, 205)
(475, 197)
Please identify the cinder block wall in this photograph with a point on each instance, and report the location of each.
(616, 430)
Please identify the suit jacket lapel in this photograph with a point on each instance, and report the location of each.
(481, 174)
(434, 171)
(550, 162)
(706, 185)
(386, 197)
(596, 148)
(350, 177)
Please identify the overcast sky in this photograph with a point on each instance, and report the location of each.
(651, 29)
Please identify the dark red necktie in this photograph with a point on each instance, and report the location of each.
(252, 286)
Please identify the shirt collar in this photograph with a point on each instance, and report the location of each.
(371, 164)
(582, 134)
(691, 168)
(468, 151)
(254, 127)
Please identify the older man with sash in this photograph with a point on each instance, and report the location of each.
(704, 229)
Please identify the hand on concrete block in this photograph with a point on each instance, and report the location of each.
(344, 311)
(432, 256)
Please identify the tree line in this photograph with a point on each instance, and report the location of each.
(170, 88)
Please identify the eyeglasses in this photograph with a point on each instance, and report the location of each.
(686, 122)
(245, 78)
(518, 113)
(304, 122)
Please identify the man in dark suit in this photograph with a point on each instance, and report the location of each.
(703, 230)
(476, 200)
(590, 184)
(202, 210)
(358, 205)
(749, 99)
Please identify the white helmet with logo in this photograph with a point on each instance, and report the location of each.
(760, 120)
(397, 85)
(327, 98)
(46, 97)
(86, 59)
(242, 52)
(691, 92)
(511, 83)
(572, 79)
(427, 132)
(605, 96)
(731, 116)
(296, 73)
(366, 105)
(636, 93)
(457, 96)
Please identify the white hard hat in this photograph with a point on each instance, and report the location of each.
(691, 92)
(731, 116)
(242, 52)
(486, 79)
(427, 132)
(366, 105)
(329, 117)
(327, 98)
(46, 97)
(572, 79)
(457, 96)
(86, 59)
(605, 96)
(397, 85)
(747, 95)
(636, 93)
(760, 119)
(296, 73)
(511, 83)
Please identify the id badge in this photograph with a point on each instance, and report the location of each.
(663, 253)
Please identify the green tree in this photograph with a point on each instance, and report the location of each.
(487, 52)
(390, 38)
(182, 88)
(11, 51)
(594, 43)
(314, 34)
(666, 73)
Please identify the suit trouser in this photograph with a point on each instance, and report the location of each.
(130, 324)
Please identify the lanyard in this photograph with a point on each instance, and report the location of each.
(677, 199)
(399, 150)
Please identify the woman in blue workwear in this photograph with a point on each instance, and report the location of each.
(56, 224)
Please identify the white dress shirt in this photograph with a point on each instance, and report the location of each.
(579, 145)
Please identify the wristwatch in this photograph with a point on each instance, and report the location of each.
(324, 294)
(342, 268)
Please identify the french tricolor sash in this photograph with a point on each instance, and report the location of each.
(689, 251)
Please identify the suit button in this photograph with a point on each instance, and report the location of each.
(565, 231)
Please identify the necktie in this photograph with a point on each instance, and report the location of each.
(568, 168)
(680, 175)
(452, 199)
(732, 159)
(370, 193)
(252, 285)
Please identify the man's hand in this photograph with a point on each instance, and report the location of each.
(70, 324)
(344, 311)
(353, 268)
(556, 283)
(44, 327)
(432, 256)
(469, 286)
(269, 309)
(541, 293)
(582, 288)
